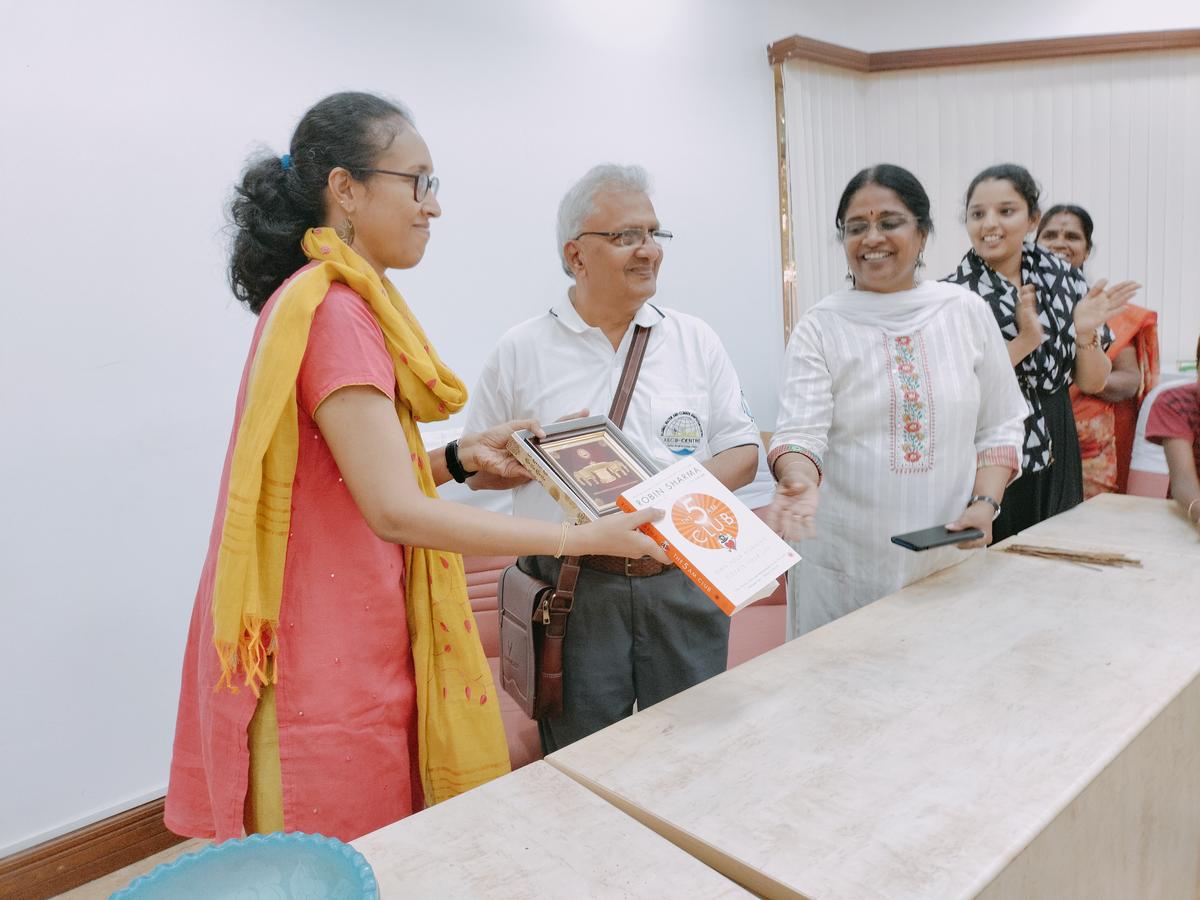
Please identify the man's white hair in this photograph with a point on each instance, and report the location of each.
(580, 201)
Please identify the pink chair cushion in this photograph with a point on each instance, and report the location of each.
(759, 627)
(483, 577)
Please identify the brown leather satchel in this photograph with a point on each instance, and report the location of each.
(533, 614)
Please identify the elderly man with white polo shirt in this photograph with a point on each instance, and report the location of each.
(638, 632)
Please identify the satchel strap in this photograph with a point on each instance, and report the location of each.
(563, 598)
(549, 689)
(568, 576)
(629, 375)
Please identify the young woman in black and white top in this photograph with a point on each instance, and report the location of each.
(1056, 336)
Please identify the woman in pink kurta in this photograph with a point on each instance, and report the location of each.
(344, 627)
(337, 690)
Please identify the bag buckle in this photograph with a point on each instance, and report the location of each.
(560, 603)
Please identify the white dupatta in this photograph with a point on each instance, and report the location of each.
(900, 312)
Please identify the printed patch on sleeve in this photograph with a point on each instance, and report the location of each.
(682, 433)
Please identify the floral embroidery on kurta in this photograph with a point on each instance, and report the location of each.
(912, 403)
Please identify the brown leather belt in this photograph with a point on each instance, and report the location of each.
(620, 565)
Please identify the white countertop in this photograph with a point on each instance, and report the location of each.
(534, 833)
(913, 748)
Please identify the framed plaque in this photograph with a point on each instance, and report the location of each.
(584, 464)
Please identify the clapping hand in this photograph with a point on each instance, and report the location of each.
(792, 512)
(1101, 304)
(1029, 326)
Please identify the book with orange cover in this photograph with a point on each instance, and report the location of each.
(711, 535)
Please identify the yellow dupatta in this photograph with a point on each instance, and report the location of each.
(460, 735)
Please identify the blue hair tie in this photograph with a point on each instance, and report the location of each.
(286, 161)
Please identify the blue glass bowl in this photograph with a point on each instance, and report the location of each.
(277, 866)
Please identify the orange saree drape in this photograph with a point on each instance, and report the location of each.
(1106, 429)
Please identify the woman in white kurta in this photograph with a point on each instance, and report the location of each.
(899, 411)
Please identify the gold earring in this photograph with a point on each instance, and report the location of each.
(345, 231)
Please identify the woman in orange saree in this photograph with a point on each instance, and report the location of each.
(1106, 421)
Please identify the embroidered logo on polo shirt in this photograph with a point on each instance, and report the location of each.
(682, 433)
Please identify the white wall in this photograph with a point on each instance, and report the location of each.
(125, 125)
(1107, 132)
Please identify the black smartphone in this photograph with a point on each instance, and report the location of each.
(938, 536)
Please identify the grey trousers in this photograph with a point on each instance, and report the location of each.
(629, 640)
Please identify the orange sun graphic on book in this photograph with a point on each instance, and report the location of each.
(705, 521)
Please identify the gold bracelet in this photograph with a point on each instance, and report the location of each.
(1189, 511)
(1093, 344)
(562, 541)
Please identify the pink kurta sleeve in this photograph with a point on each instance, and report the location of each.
(345, 347)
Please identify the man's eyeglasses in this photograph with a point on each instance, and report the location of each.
(423, 182)
(631, 237)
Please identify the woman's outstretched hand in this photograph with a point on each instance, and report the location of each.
(617, 535)
(793, 510)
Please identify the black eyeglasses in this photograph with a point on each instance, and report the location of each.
(423, 182)
(631, 237)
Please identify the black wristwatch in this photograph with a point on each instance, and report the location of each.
(984, 498)
(454, 464)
